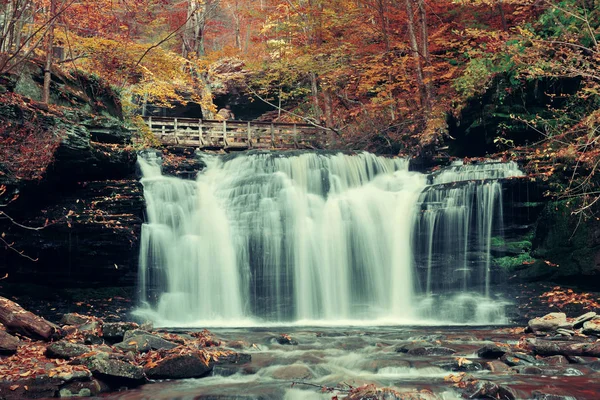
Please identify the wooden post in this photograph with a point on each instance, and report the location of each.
(272, 135)
(224, 133)
(175, 130)
(200, 141)
(249, 135)
(296, 135)
(150, 122)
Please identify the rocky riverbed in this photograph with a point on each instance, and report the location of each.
(553, 357)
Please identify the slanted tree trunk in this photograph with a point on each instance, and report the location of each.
(18, 320)
(49, 53)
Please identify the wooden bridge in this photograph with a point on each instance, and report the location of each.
(236, 135)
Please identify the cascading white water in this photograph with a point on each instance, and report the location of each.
(310, 236)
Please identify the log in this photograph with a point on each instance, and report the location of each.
(18, 320)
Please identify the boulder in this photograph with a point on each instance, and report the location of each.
(286, 339)
(493, 351)
(459, 365)
(557, 360)
(496, 366)
(548, 323)
(18, 320)
(482, 389)
(74, 319)
(144, 343)
(579, 321)
(66, 350)
(115, 331)
(293, 372)
(431, 351)
(592, 327)
(180, 366)
(517, 359)
(557, 347)
(112, 370)
(8, 343)
(406, 347)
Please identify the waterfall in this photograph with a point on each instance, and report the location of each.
(306, 236)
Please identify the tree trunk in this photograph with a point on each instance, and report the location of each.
(502, 16)
(48, 66)
(16, 319)
(414, 45)
(314, 88)
(425, 53)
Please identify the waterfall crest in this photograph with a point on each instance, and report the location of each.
(313, 236)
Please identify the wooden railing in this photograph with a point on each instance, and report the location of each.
(236, 135)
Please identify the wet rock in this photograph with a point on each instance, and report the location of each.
(114, 370)
(516, 359)
(180, 367)
(493, 351)
(431, 351)
(88, 388)
(496, 366)
(537, 395)
(285, 339)
(459, 365)
(595, 365)
(556, 360)
(233, 358)
(579, 321)
(74, 319)
(8, 343)
(483, 389)
(580, 359)
(548, 323)
(66, 350)
(293, 372)
(592, 327)
(556, 347)
(34, 388)
(115, 331)
(144, 343)
(528, 370)
(565, 332)
(71, 375)
(406, 347)
(238, 344)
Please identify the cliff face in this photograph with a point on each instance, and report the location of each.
(87, 198)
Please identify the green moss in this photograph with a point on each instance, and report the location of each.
(512, 263)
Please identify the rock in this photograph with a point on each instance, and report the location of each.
(182, 366)
(493, 351)
(134, 332)
(516, 359)
(537, 395)
(581, 360)
(71, 376)
(91, 326)
(528, 370)
(233, 358)
(74, 319)
(8, 343)
(591, 327)
(285, 339)
(459, 365)
(238, 344)
(145, 342)
(91, 339)
(66, 393)
(496, 366)
(556, 347)
(579, 321)
(557, 360)
(565, 332)
(18, 320)
(66, 350)
(92, 387)
(431, 351)
(293, 372)
(113, 370)
(548, 323)
(482, 389)
(115, 331)
(405, 348)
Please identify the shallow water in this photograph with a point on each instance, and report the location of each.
(341, 357)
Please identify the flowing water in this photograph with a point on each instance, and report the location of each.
(320, 238)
